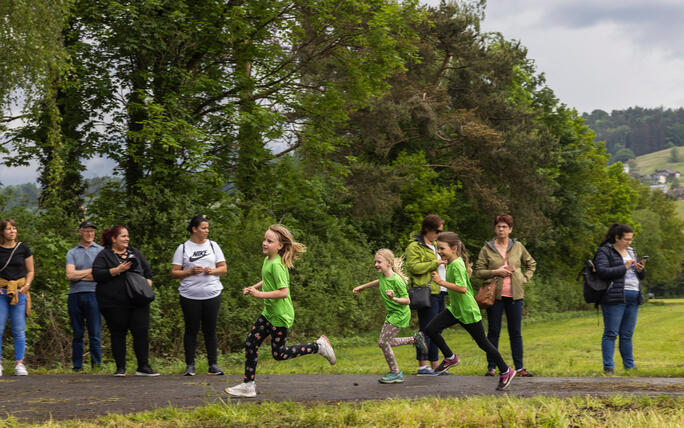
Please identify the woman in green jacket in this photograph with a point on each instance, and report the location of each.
(507, 262)
(421, 260)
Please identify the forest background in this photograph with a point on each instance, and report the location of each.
(347, 121)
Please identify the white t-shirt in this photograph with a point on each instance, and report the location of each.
(441, 269)
(202, 286)
(631, 278)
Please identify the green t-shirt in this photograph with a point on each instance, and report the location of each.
(462, 306)
(275, 276)
(397, 314)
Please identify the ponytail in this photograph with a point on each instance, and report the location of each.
(291, 249)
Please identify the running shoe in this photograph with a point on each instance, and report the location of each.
(120, 372)
(524, 373)
(426, 371)
(392, 377)
(146, 371)
(420, 342)
(326, 349)
(446, 363)
(505, 379)
(20, 370)
(491, 372)
(189, 370)
(215, 370)
(245, 389)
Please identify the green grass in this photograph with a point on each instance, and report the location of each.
(569, 344)
(651, 162)
(616, 411)
(679, 208)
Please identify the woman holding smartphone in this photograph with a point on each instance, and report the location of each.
(617, 262)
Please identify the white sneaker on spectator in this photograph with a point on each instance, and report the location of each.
(326, 350)
(20, 370)
(0, 369)
(245, 389)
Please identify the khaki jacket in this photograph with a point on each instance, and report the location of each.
(420, 262)
(489, 259)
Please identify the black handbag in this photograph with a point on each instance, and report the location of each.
(419, 297)
(138, 289)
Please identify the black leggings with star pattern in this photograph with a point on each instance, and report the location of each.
(280, 351)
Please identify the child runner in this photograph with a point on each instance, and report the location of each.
(462, 308)
(392, 282)
(278, 315)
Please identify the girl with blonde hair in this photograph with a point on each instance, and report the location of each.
(281, 251)
(392, 283)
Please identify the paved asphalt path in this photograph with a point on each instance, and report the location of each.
(39, 398)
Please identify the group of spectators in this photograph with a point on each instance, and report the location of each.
(97, 285)
(96, 275)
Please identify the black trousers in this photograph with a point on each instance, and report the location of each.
(119, 321)
(200, 314)
(446, 319)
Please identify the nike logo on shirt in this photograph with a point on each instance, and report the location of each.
(197, 255)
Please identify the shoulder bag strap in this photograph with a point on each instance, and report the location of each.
(10, 257)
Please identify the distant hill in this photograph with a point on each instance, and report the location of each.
(647, 164)
(637, 131)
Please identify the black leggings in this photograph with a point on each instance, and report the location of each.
(446, 319)
(119, 321)
(202, 313)
(280, 351)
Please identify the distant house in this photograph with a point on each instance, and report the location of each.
(657, 178)
(669, 173)
(661, 187)
(676, 194)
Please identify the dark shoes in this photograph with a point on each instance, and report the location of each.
(189, 370)
(120, 372)
(608, 371)
(524, 373)
(146, 371)
(215, 370)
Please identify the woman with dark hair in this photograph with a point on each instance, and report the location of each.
(198, 263)
(617, 262)
(16, 275)
(109, 271)
(421, 260)
(506, 261)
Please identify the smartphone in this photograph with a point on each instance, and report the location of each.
(643, 259)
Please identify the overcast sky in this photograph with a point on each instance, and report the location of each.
(600, 54)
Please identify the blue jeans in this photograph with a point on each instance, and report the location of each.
(619, 320)
(424, 317)
(513, 309)
(84, 313)
(17, 316)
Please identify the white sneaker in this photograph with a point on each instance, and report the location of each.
(0, 369)
(326, 349)
(20, 370)
(245, 389)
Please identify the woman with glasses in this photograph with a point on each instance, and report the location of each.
(421, 260)
(617, 262)
(506, 261)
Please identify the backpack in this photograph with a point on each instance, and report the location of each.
(594, 287)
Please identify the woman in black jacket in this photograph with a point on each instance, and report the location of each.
(617, 263)
(109, 271)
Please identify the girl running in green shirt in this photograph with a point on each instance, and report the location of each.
(278, 314)
(392, 283)
(462, 309)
